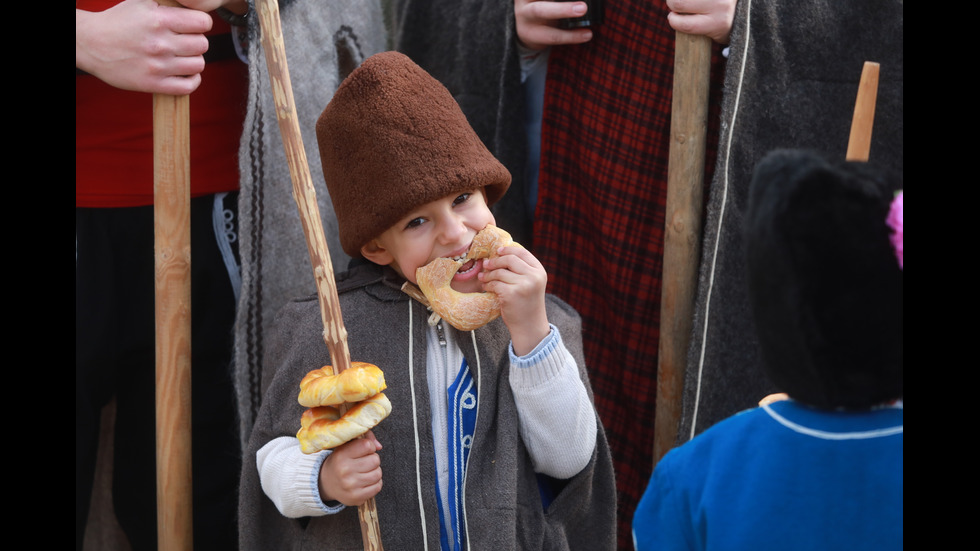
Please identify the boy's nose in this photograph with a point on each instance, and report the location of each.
(453, 229)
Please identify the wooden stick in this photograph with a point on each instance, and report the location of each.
(682, 232)
(334, 333)
(172, 254)
(859, 143)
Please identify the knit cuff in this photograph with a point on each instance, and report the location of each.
(290, 477)
(545, 362)
(314, 487)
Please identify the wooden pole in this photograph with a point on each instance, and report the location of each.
(859, 142)
(334, 333)
(682, 232)
(172, 259)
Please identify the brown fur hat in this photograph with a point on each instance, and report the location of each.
(393, 139)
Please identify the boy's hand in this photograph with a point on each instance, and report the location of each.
(352, 472)
(519, 280)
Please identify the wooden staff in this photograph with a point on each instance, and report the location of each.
(172, 281)
(682, 231)
(859, 142)
(334, 333)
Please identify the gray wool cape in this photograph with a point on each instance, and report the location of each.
(503, 505)
(791, 82)
(324, 41)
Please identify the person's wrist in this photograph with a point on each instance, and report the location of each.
(81, 59)
(526, 336)
(321, 484)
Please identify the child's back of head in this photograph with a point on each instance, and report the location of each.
(825, 283)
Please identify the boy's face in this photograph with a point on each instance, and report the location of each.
(442, 228)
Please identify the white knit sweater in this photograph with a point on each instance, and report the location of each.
(557, 423)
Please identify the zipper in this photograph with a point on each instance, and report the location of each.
(442, 336)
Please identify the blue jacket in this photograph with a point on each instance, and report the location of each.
(783, 476)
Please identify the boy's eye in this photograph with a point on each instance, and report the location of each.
(461, 199)
(415, 222)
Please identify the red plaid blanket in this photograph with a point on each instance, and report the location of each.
(600, 216)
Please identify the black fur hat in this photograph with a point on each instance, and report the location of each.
(825, 283)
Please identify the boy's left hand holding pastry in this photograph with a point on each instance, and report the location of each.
(519, 281)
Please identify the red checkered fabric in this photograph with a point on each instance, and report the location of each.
(600, 217)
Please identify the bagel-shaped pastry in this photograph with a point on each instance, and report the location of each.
(321, 387)
(323, 428)
(464, 311)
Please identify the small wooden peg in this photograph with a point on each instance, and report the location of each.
(859, 144)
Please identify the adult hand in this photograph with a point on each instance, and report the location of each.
(143, 46)
(237, 6)
(712, 18)
(537, 23)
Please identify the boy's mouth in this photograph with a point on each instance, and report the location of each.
(459, 271)
(468, 267)
(463, 258)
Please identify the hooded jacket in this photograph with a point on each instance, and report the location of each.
(503, 504)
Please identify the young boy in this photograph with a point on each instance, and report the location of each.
(493, 441)
(824, 468)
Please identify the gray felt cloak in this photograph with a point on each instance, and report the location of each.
(324, 40)
(791, 82)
